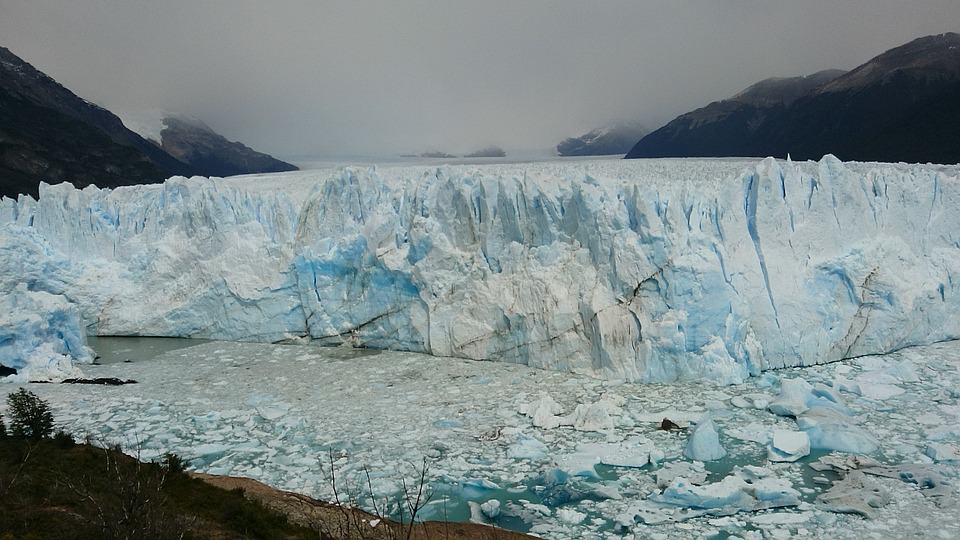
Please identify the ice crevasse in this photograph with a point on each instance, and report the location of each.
(648, 270)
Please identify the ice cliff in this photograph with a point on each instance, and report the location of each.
(657, 270)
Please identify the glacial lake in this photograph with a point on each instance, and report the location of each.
(279, 413)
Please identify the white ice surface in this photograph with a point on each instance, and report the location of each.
(641, 270)
(40, 336)
(269, 412)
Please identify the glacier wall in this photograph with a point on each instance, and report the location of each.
(41, 336)
(658, 270)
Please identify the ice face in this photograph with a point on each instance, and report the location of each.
(40, 336)
(657, 270)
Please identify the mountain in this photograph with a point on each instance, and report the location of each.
(903, 105)
(726, 128)
(48, 133)
(611, 140)
(210, 154)
(490, 151)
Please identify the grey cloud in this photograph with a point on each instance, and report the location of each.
(378, 78)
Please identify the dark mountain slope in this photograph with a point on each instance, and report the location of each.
(38, 143)
(49, 134)
(728, 127)
(21, 80)
(211, 154)
(616, 139)
(903, 105)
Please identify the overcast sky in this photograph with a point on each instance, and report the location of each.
(326, 78)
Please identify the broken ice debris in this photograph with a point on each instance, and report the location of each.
(854, 494)
(940, 452)
(748, 489)
(798, 396)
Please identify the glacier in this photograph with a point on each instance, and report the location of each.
(648, 270)
(41, 336)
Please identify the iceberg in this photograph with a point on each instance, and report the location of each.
(654, 270)
(704, 443)
(788, 446)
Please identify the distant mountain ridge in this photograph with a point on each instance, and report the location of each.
(49, 134)
(606, 141)
(903, 105)
(211, 154)
(487, 152)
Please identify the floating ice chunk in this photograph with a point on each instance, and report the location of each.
(940, 452)
(635, 452)
(694, 473)
(788, 446)
(931, 479)
(593, 417)
(752, 432)
(879, 391)
(569, 515)
(704, 443)
(854, 494)
(544, 402)
(841, 463)
(797, 396)
(943, 433)
(600, 416)
(475, 488)
(890, 373)
(792, 400)
(830, 430)
(847, 385)
(544, 412)
(782, 518)
(204, 454)
(741, 402)
(491, 508)
(747, 489)
(526, 447)
(476, 513)
(272, 412)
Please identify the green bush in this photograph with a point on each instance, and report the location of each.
(64, 439)
(173, 463)
(30, 416)
(3, 428)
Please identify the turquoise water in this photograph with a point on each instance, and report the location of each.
(114, 350)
